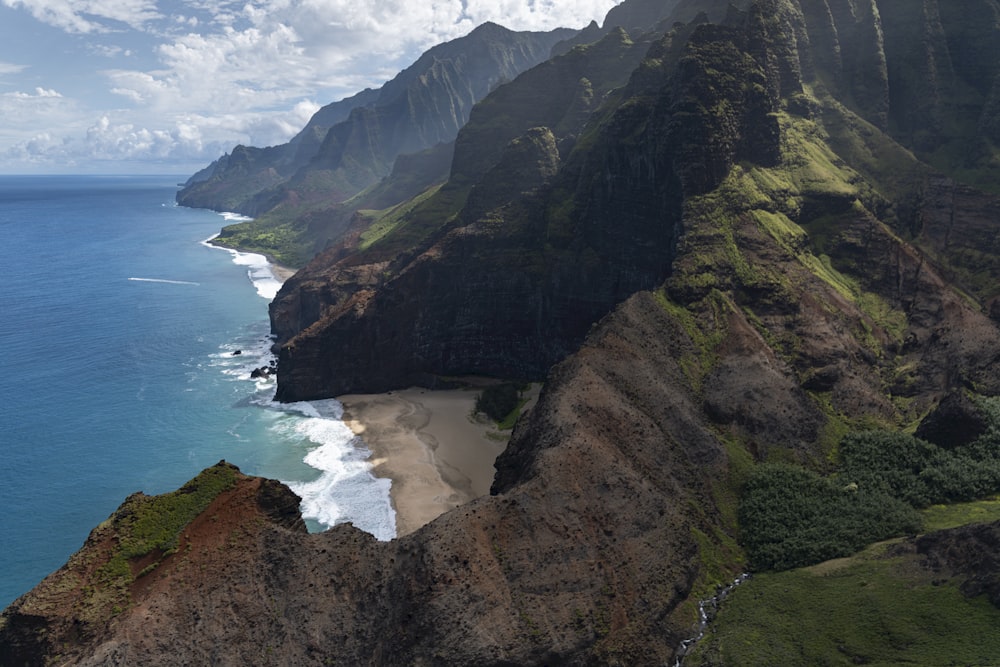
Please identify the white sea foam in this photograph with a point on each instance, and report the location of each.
(164, 280)
(258, 268)
(346, 490)
(259, 271)
(239, 359)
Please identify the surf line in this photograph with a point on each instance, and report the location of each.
(163, 280)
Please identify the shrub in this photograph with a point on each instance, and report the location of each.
(790, 516)
(919, 472)
(498, 401)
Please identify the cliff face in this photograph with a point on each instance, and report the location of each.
(584, 557)
(511, 287)
(350, 144)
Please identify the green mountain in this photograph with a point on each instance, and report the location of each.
(352, 144)
(751, 249)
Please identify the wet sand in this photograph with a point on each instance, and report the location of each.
(428, 443)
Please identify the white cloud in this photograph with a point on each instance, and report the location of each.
(34, 123)
(28, 111)
(114, 144)
(193, 140)
(39, 93)
(223, 72)
(110, 51)
(89, 16)
(10, 68)
(233, 71)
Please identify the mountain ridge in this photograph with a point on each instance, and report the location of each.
(350, 145)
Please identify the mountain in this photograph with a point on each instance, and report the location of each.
(352, 144)
(613, 203)
(726, 242)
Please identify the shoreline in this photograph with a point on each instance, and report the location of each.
(280, 272)
(427, 442)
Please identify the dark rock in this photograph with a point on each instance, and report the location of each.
(280, 504)
(970, 552)
(955, 422)
(822, 379)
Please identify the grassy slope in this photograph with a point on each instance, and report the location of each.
(145, 529)
(870, 608)
(873, 608)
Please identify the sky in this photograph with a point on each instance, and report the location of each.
(167, 86)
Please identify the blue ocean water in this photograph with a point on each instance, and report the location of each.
(118, 327)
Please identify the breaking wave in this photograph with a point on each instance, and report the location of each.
(342, 488)
(164, 280)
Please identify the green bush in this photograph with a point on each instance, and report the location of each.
(498, 401)
(891, 463)
(919, 472)
(790, 516)
(155, 522)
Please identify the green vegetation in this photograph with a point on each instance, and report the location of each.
(715, 308)
(269, 236)
(940, 517)
(499, 401)
(790, 517)
(918, 472)
(149, 525)
(872, 609)
(403, 229)
(384, 222)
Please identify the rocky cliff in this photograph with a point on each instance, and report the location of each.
(721, 244)
(510, 284)
(585, 556)
(352, 144)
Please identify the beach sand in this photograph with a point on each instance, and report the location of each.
(427, 442)
(281, 273)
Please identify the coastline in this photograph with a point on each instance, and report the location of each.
(280, 272)
(427, 442)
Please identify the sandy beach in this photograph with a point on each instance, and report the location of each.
(429, 445)
(282, 273)
(437, 453)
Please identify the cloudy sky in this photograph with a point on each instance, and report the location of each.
(166, 86)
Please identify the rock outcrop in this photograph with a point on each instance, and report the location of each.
(969, 553)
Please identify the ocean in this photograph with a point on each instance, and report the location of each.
(127, 344)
